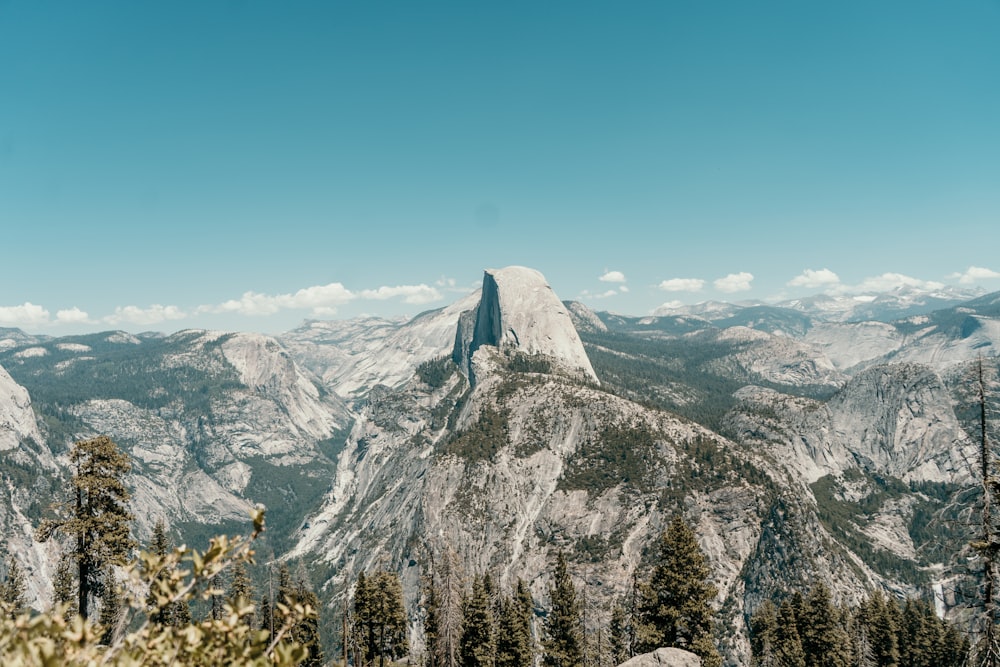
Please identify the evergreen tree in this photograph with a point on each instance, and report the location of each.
(379, 617)
(216, 600)
(175, 613)
(563, 642)
(478, 641)
(764, 635)
(62, 587)
(824, 640)
(306, 631)
(240, 588)
(619, 634)
(450, 586)
(13, 588)
(96, 516)
(432, 613)
(675, 604)
(878, 615)
(112, 609)
(788, 645)
(918, 636)
(521, 609)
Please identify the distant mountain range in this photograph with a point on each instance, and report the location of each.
(821, 439)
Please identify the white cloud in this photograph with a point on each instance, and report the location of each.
(612, 277)
(891, 281)
(734, 282)
(815, 279)
(586, 294)
(415, 294)
(623, 289)
(25, 315)
(682, 285)
(974, 274)
(321, 300)
(152, 315)
(72, 316)
(317, 298)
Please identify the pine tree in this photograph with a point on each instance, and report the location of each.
(879, 617)
(788, 644)
(824, 640)
(96, 516)
(432, 614)
(240, 588)
(112, 609)
(478, 641)
(450, 587)
(764, 635)
(563, 642)
(379, 617)
(62, 587)
(619, 634)
(306, 631)
(675, 604)
(13, 588)
(176, 613)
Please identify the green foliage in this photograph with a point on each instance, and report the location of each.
(515, 646)
(619, 634)
(176, 614)
(482, 440)
(878, 633)
(618, 454)
(50, 639)
(134, 373)
(675, 605)
(289, 492)
(379, 618)
(521, 362)
(95, 515)
(562, 642)
(478, 643)
(436, 372)
(13, 588)
(842, 519)
(689, 376)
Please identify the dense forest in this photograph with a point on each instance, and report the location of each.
(117, 603)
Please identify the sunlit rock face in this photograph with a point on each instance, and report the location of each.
(519, 311)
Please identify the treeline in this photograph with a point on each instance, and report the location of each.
(116, 604)
(471, 622)
(880, 632)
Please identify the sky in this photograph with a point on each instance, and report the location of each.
(249, 165)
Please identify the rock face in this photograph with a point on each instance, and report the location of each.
(894, 419)
(17, 421)
(664, 657)
(479, 430)
(519, 311)
(212, 422)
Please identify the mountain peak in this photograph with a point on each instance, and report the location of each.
(519, 310)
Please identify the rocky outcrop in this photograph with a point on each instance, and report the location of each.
(519, 311)
(17, 420)
(352, 356)
(664, 657)
(895, 420)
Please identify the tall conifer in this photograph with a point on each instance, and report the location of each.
(13, 588)
(96, 515)
(563, 642)
(675, 605)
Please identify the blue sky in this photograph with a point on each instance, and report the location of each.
(246, 165)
